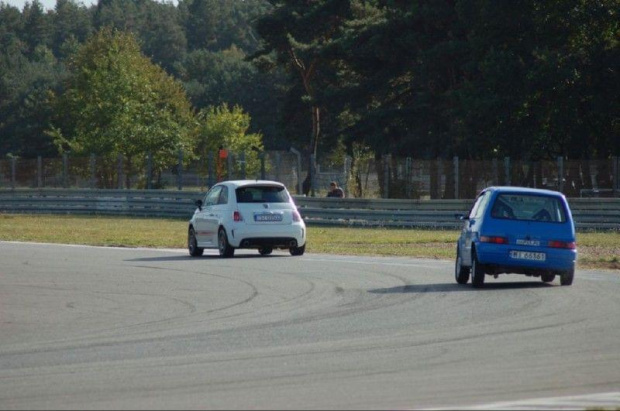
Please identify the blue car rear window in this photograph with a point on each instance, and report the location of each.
(527, 207)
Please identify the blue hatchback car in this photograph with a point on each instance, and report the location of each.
(517, 230)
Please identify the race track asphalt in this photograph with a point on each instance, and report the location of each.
(113, 328)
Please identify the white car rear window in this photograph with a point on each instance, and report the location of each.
(262, 194)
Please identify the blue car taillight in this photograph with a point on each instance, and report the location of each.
(570, 245)
(493, 239)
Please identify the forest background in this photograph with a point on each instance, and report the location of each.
(478, 79)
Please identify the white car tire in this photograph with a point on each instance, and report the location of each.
(297, 251)
(224, 247)
(192, 244)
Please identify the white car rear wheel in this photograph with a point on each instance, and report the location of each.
(265, 250)
(297, 251)
(224, 247)
(192, 244)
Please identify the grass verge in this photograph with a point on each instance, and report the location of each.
(599, 250)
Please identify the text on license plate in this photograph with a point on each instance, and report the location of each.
(267, 217)
(528, 255)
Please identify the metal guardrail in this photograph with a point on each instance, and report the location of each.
(589, 213)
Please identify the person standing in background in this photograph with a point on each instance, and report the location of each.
(335, 191)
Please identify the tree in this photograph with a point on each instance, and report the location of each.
(37, 26)
(26, 75)
(225, 127)
(296, 33)
(71, 23)
(118, 102)
(218, 25)
(162, 35)
(215, 78)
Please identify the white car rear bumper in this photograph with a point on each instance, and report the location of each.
(241, 235)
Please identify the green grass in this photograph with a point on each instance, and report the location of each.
(596, 249)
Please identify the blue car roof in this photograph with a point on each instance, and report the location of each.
(524, 190)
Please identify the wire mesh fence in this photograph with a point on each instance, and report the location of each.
(384, 177)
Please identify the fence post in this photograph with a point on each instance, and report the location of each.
(278, 165)
(39, 171)
(262, 165)
(149, 171)
(561, 174)
(229, 166)
(442, 180)
(455, 160)
(180, 170)
(13, 171)
(616, 186)
(210, 166)
(386, 176)
(408, 176)
(242, 162)
(120, 171)
(65, 168)
(92, 170)
(507, 170)
(347, 174)
(495, 173)
(298, 155)
(313, 170)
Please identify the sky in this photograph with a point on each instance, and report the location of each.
(48, 4)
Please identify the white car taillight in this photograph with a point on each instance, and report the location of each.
(296, 216)
(237, 216)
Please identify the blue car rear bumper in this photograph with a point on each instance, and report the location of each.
(499, 256)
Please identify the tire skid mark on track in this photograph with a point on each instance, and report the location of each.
(351, 302)
(398, 330)
(105, 296)
(193, 313)
(356, 306)
(573, 402)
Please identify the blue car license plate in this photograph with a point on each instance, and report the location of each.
(267, 217)
(528, 255)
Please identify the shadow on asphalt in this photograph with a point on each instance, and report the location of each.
(204, 257)
(448, 288)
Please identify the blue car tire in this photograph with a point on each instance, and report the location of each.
(567, 277)
(461, 273)
(547, 278)
(477, 272)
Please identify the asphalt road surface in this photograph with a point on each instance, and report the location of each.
(101, 328)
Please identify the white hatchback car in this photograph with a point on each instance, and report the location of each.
(256, 214)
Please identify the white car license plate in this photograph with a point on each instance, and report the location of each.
(528, 255)
(267, 217)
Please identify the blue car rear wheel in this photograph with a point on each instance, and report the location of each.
(461, 273)
(477, 272)
(567, 277)
(547, 278)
